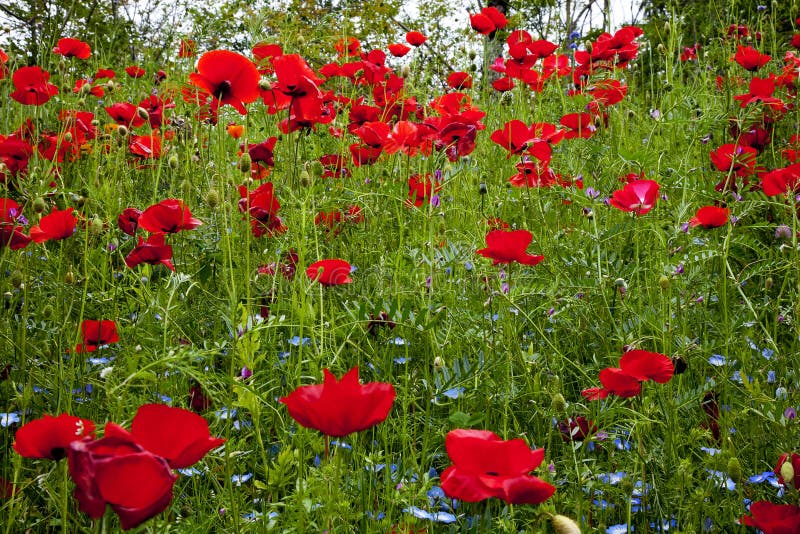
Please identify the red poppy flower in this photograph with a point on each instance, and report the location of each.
(781, 181)
(49, 437)
(489, 20)
(146, 146)
(773, 518)
(125, 114)
(421, 190)
(12, 236)
(459, 80)
(32, 87)
(486, 466)
(710, 217)
(689, 53)
(750, 58)
(10, 211)
(96, 334)
(506, 246)
(134, 71)
(581, 125)
(15, 154)
(152, 251)
(794, 461)
(415, 38)
(643, 365)
(638, 196)
(168, 217)
(69, 47)
(330, 272)
(229, 77)
(739, 159)
(117, 471)
(399, 49)
(177, 435)
(339, 408)
(59, 224)
(128, 220)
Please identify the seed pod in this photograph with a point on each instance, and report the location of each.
(558, 403)
(16, 278)
(245, 163)
(39, 205)
(212, 198)
(735, 470)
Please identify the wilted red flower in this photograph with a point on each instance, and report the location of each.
(59, 224)
(229, 77)
(576, 429)
(330, 272)
(486, 466)
(415, 38)
(69, 47)
(710, 217)
(119, 472)
(750, 58)
(638, 196)
(134, 71)
(32, 87)
(198, 400)
(339, 408)
(794, 461)
(506, 246)
(152, 251)
(96, 334)
(167, 217)
(177, 435)
(773, 518)
(49, 437)
(399, 49)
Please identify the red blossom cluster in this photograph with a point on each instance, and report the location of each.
(635, 367)
(130, 471)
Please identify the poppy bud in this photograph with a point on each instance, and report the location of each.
(619, 282)
(768, 283)
(442, 228)
(301, 40)
(438, 362)
(317, 169)
(564, 525)
(110, 87)
(735, 470)
(558, 403)
(173, 161)
(245, 163)
(96, 226)
(47, 311)
(667, 27)
(143, 114)
(212, 198)
(663, 282)
(39, 205)
(661, 48)
(482, 190)
(787, 473)
(69, 278)
(16, 278)
(122, 131)
(472, 54)
(95, 123)
(86, 89)
(305, 178)
(264, 84)
(405, 71)
(68, 137)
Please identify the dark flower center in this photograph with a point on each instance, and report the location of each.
(223, 89)
(58, 453)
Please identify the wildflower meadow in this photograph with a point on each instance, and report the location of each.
(328, 282)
